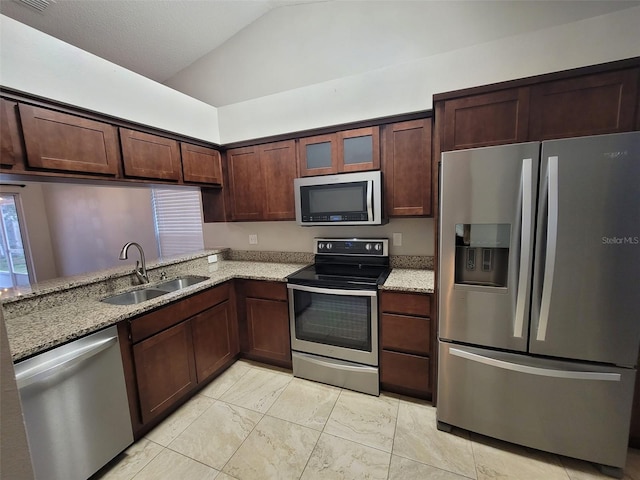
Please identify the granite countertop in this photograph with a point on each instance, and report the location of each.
(410, 280)
(43, 329)
(53, 322)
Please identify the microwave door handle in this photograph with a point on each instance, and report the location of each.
(370, 200)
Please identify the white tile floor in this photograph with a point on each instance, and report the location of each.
(255, 422)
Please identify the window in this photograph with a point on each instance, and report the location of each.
(178, 220)
(13, 260)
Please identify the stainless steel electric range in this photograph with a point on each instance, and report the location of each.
(333, 311)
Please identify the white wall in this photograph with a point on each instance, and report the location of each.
(409, 86)
(34, 62)
(417, 235)
(90, 224)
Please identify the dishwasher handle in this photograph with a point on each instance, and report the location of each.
(63, 362)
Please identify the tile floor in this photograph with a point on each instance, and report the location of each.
(257, 422)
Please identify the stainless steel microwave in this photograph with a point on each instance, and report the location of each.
(342, 199)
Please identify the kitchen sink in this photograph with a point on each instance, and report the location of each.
(137, 296)
(181, 282)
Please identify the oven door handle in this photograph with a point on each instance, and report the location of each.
(333, 291)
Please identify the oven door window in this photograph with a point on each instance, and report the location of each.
(338, 320)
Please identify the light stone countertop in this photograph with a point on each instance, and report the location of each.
(410, 280)
(82, 312)
(43, 329)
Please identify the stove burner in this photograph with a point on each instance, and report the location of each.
(346, 263)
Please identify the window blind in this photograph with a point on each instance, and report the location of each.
(178, 220)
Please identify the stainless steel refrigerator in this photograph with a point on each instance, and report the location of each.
(539, 294)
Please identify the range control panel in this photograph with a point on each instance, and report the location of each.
(352, 246)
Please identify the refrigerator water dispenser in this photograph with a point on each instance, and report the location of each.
(482, 254)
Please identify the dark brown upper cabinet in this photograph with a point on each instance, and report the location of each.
(345, 151)
(406, 166)
(493, 118)
(261, 179)
(201, 164)
(149, 156)
(59, 141)
(246, 186)
(10, 141)
(592, 100)
(587, 105)
(279, 169)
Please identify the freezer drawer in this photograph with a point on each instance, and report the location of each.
(571, 409)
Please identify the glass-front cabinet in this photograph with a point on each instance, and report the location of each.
(346, 151)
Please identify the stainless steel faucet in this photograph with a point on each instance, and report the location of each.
(140, 271)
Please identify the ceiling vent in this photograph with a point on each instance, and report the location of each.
(39, 5)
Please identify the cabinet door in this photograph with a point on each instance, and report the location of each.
(165, 369)
(494, 118)
(268, 329)
(407, 168)
(201, 164)
(10, 142)
(279, 168)
(149, 156)
(245, 176)
(318, 155)
(359, 149)
(215, 339)
(588, 105)
(59, 141)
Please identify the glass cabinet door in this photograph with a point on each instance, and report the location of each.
(346, 151)
(318, 155)
(359, 149)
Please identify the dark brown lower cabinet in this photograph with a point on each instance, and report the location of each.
(215, 339)
(405, 343)
(263, 314)
(165, 369)
(171, 352)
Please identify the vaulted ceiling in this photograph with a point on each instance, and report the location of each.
(172, 41)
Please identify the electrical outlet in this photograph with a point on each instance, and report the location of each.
(397, 239)
(253, 239)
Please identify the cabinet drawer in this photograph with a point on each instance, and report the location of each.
(407, 303)
(405, 371)
(264, 289)
(154, 322)
(406, 334)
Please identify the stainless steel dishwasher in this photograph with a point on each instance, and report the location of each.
(75, 406)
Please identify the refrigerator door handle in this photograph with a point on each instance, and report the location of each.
(528, 369)
(552, 236)
(526, 233)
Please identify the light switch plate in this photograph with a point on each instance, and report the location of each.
(253, 239)
(397, 239)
